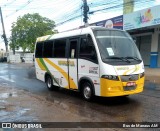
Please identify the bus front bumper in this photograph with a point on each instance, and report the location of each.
(110, 88)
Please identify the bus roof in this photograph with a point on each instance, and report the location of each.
(87, 30)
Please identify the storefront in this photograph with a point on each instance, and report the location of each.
(144, 26)
(144, 45)
(159, 51)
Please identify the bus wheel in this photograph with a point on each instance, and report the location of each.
(87, 91)
(49, 83)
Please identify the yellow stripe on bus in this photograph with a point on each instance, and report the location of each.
(72, 84)
(40, 64)
(134, 70)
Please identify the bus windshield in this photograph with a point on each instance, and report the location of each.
(116, 46)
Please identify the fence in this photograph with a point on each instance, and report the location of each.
(18, 58)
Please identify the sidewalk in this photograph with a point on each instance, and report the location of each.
(152, 71)
(152, 76)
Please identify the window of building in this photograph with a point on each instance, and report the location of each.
(48, 49)
(60, 48)
(39, 49)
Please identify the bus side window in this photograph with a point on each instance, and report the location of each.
(87, 49)
(73, 49)
(39, 50)
(60, 48)
(48, 49)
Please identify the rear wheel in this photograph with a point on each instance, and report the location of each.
(49, 83)
(87, 91)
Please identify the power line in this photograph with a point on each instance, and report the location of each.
(70, 15)
(117, 6)
(29, 1)
(68, 20)
(9, 3)
(105, 9)
(52, 11)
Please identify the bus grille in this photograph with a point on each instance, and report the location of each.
(126, 78)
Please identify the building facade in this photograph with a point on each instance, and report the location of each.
(144, 27)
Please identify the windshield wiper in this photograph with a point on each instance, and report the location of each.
(120, 58)
(131, 57)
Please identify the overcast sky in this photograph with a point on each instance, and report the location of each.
(62, 10)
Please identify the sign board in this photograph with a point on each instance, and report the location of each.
(116, 22)
(142, 18)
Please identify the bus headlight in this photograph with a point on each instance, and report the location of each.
(110, 77)
(141, 75)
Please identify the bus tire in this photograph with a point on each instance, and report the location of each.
(87, 91)
(49, 83)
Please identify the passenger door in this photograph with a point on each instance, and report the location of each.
(72, 63)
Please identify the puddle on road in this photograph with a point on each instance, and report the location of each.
(5, 84)
(2, 107)
(2, 101)
(7, 95)
(3, 113)
(12, 107)
(16, 114)
(21, 111)
(21, 114)
(3, 71)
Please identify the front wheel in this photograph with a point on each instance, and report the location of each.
(87, 91)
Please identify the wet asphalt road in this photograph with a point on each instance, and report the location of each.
(144, 107)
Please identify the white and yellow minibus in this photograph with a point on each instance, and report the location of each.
(94, 61)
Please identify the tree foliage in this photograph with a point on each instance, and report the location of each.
(27, 28)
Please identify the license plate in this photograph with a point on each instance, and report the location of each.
(131, 84)
(129, 88)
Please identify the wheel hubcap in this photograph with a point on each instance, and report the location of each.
(49, 83)
(87, 92)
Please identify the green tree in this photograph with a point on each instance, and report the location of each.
(27, 28)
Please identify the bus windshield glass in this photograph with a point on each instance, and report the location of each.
(115, 45)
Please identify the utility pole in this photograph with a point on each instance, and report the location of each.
(4, 34)
(85, 13)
